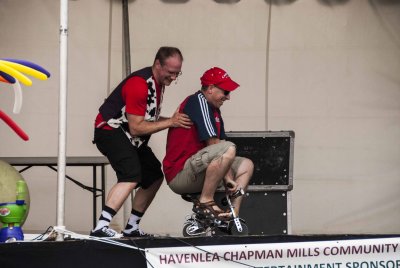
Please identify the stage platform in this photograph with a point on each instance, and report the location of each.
(280, 251)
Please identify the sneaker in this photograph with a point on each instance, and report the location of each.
(105, 232)
(136, 233)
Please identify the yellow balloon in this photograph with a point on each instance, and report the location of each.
(16, 74)
(25, 69)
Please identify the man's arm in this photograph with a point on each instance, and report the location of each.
(139, 127)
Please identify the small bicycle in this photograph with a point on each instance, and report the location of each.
(198, 224)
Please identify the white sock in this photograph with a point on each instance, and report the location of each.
(105, 218)
(133, 222)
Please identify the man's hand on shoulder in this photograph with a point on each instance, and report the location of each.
(180, 120)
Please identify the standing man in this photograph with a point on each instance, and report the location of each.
(123, 128)
(197, 159)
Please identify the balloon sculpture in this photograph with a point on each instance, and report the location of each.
(13, 71)
(13, 189)
(14, 203)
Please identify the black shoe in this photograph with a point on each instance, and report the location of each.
(136, 233)
(105, 232)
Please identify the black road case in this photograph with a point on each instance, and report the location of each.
(266, 207)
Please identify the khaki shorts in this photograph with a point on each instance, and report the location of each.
(191, 178)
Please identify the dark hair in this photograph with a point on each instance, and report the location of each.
(165, 52)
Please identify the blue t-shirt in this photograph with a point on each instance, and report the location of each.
(207, 119)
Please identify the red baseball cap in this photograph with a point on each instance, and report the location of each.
(218, 77)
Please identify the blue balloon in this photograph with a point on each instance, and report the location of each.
(7, 77)
(31, 65)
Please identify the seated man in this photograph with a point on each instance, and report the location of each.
(197, 159)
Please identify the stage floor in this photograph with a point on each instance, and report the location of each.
(89, 253)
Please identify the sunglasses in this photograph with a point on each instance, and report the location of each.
(226, 92)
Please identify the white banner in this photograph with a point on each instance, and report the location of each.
(360, 253)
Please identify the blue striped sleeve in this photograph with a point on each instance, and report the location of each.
(201, 115)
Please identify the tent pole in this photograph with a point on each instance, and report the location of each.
(127, 45)
(62, 116)
(127, 57)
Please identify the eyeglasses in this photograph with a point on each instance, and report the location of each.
(176, 74)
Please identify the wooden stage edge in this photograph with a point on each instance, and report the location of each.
(88, 253)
